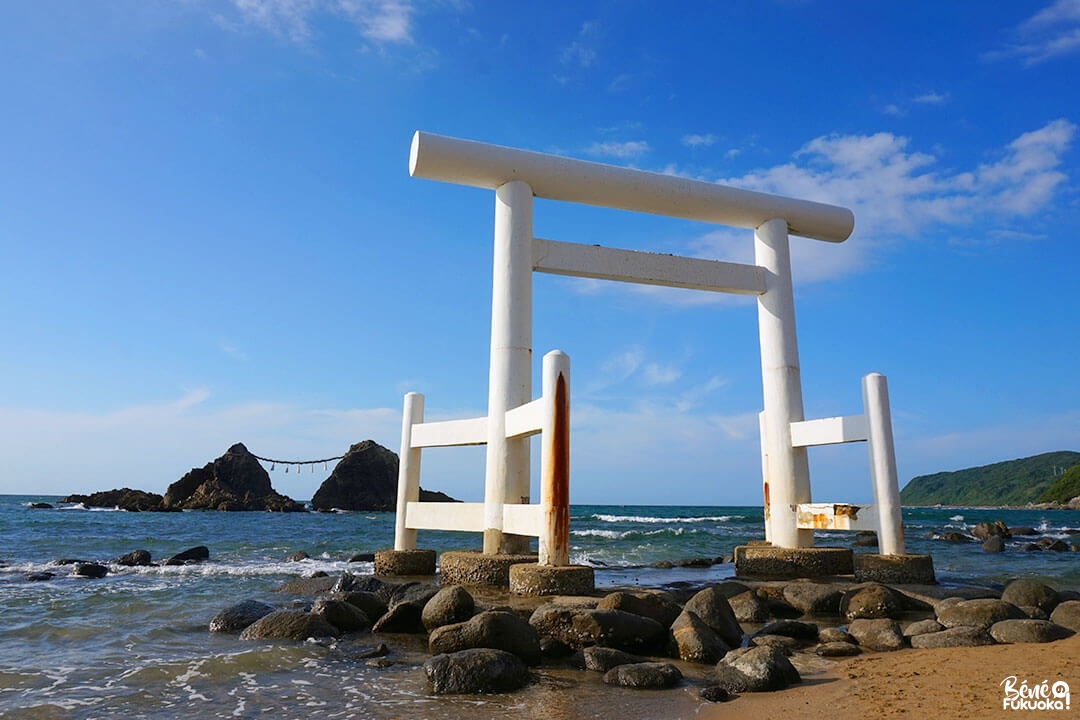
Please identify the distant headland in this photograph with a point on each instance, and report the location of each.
(1051, 479)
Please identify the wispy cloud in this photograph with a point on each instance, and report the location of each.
(621, 150)
(931, 98)
(696, 140)
(1052, 32)
(380, 21)
(232, 351)
(581, 52)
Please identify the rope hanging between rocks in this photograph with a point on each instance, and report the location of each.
(298, 463)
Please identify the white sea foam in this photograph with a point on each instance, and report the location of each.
(957, 518)
(648, 519)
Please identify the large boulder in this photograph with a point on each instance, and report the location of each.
(365, 479)
(135, 558)
(644, 676)
(191, 556)
(474, 671)
(238, 617)
(581, 627)
(124, 498)
(656, 605)
(986, 530)
(602, 659)
(812, 598)
(289, 625)
(749, 607)
(1026, 593)
(877, 634)
(234, 481)
(695, 641)
(1067, 614)
(982, 612)
(1027, 631)
(807, 632)
(758, 669)
(340, 613)
(871, 601)
(452, 604)
(714, 610)
(959, 636)
(492, 629)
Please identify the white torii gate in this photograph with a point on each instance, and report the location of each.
(517, 177)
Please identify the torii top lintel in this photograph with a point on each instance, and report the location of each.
(467, 162)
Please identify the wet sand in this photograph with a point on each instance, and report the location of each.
(941, 683)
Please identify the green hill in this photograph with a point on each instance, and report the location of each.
(1065, 488)
(1013, 482)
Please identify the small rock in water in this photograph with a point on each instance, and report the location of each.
(362, 557)
(190, 556)
(995, 543)
(298, 556)
(39, 576)
(714, 693)
(41, 506)
(90, 570)
(236, 618)
(644, 676)
(477, 670)
(135, 558)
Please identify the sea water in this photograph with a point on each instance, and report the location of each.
(135, 643)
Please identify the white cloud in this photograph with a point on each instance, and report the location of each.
(581, 52)
(621, 150)
(931, 98)
(1052, 32)
(381, 21)
(696, 140)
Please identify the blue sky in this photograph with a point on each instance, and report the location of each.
(209, 233)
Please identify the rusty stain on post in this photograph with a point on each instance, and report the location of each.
(560, 476)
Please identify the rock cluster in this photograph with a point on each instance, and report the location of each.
(234, 481)
(652, 639)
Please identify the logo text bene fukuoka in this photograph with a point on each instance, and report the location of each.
(1041, 696)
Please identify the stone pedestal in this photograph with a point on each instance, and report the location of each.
(765, 561)
(533, 579)
(404, 562)
(895, 569)
(475, 568)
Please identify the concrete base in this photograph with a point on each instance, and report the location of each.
(533, 579)
(765, 561)
(404, 562)
(895, 569)
(475, 568)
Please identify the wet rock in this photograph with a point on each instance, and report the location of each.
(1058, 546)
(452, 604)
(955, 537)
(834, 634)
(881, 634)
(552, 649)
(1067, 614)
(366, 583)
(343, 615)
(476, 671)
(602, 659)
(306, 586)
(235, 618)
(356, 651)
(1031, 547)
(983, 613)
(812, 598)
(492, 629)
(985, 530)
(416, 593)
(960, 636)
(401, 618)
(749, 607)
(289, 625)
(714, 693)
(135, 558)
(124, 498)
(837, 649)
(922, 627)
(1028, 631)
(994, 544)
(1023, 530)
(39, 576)
(807, 632)
(655, 605)
(190, 556)
(783, 643)
(41, 506)
(1030, 593)
(695, 641)
(714, 610)
(90, 570)
(865, 538)
(362, 557)
(871, 601)
(578, 627)
(759, 669)
(297, 556)
(644, 676)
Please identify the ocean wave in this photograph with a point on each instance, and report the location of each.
(654, 520)
(957, 518)
(624, 534)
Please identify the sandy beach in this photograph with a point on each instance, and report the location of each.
(942, 683)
